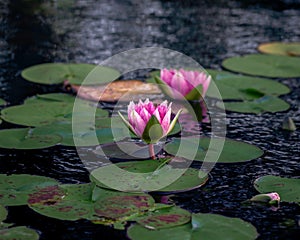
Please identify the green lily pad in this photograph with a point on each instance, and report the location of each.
(233, 151)
(52, 97)
(2, 102)
(25, 138)
(234, 86)
(280, 48)
(203, 226)
(85, 136)
(3, 213)
(37, 114)
(261, 105)
(15, 189)
(45, 113)
(287, 188)
(264, 65)
(18, 233)
(165, 218)
(151, 177)
(56, 73)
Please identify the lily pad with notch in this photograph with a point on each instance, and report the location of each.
(261, 105)
(57, 73)
(2, 102)
(197, 149)
(274, 66)
(287, 188)
(47, 112)
(203, 226)
(149, 170)
(25, 138)
(238, 87)
(50, 97)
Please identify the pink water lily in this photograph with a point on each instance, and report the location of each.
(148, 121)
(184, 84)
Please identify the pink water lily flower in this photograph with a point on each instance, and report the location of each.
(148, 121)
(190, 85)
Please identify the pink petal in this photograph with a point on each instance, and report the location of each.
(179, 85)
(137, 123)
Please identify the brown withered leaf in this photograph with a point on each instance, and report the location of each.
(121, 90)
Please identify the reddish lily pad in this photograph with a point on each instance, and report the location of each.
(18, 233)
(65, 202)
(15, 189)
(165, 218)
(203, 226)
(123, 206)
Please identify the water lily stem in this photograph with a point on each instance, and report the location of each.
(151, 151)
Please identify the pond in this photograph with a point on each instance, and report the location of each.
(34, 32)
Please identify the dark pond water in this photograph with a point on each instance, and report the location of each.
(33, 32)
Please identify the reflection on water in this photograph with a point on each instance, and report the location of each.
(89, 31)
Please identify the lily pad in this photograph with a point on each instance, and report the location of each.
(123, 90)
(56, 73)
(148, 176)
(287, 188)
(2, 102)
(123, 205)
(264, 65)
(65, 202)
(52, 97)
(25, 138)
(233, 151)
(18, 233)
(261, 105)
(85, 201)
(238, 87)
(203, 226)
(45, 113)
(165, 218)
(281, 48)
(88, 136)
(3, 213)
(15, 189)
